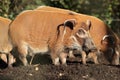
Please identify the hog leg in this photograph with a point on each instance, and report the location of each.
(32, 57)
(55, 57)
(71, 55)
(93, 55)
(10, 60)
(116, 57)
(23, 54)
(63, 57)
(3, 57)
(83, 57)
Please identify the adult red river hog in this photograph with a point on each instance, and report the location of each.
(36, 31)
(5, 44)
(104, 38)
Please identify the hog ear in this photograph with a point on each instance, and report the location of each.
(86, 25)
(70, 23)
(81, 33)
(108, 39)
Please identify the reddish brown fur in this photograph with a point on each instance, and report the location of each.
(38, 36)
(5, 44)
(98, 30)
(36, 31)
(47, 8)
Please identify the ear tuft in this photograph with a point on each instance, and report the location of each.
(86, 25)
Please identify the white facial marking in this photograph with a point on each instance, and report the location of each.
(74, 38)
(64, 33)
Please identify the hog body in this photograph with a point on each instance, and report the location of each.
(5, 43)
(36, 31)
(98, 31)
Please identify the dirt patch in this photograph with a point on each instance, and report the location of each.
(73, 71)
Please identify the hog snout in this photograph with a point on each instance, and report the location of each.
(72, 47)
(92, 49)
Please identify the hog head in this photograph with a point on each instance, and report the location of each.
(81, 41)
(113, 48)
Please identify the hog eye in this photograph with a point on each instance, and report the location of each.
(79, 30)
(92, 43)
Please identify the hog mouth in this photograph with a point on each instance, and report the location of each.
(93, 50)
(89, 49)
(67, 49)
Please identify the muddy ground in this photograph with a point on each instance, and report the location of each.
(75, 70)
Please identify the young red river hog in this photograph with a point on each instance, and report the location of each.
(84, 39)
